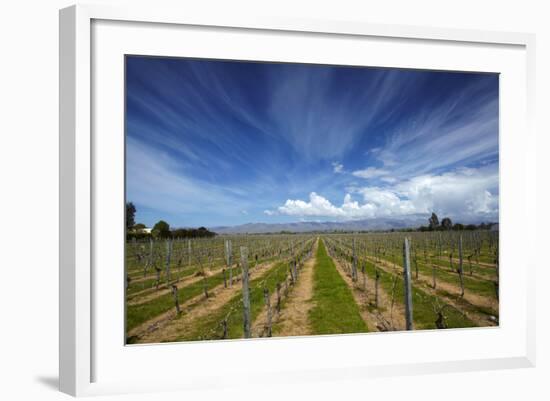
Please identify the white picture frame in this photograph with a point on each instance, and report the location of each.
(88, 366)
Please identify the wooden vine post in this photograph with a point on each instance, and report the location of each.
(291, 272)
(268, 308)
(226, 251)
(224, 327)
(460, 266)
(415, 263)
(434, 280)
(354, 263)
(376, 284)
(497, 282)
(407, 284)
(278, 306)
(364, 272)
(189, 253)
(229, 260)
(168, 257)
(246, 294)
(204, 284)
(150, 261)
(178, 255)
(157, 282)
(176, 299)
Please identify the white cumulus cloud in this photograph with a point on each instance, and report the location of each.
(464, 194)
(320, 206)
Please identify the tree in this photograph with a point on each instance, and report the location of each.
(458, 227)
(139, 226)
(434, 222)
(446, 223)
(161, 229)
(201, 232)
(130, 215)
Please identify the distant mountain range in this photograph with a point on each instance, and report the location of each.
(307, 226)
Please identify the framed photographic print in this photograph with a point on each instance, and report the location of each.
(308, 193)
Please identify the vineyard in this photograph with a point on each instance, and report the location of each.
(249, 286)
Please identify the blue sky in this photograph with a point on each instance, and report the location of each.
(217, 143)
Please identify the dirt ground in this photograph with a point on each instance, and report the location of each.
(171, 329)
(137, 300)
(460, 304)
(293, 319)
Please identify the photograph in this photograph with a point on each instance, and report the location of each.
(274, 199)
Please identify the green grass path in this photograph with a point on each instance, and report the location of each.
(335, 310)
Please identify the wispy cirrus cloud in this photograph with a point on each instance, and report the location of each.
(155, 181)
(461, 130)
(338, 167)
(371, 172)
(210, 140)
